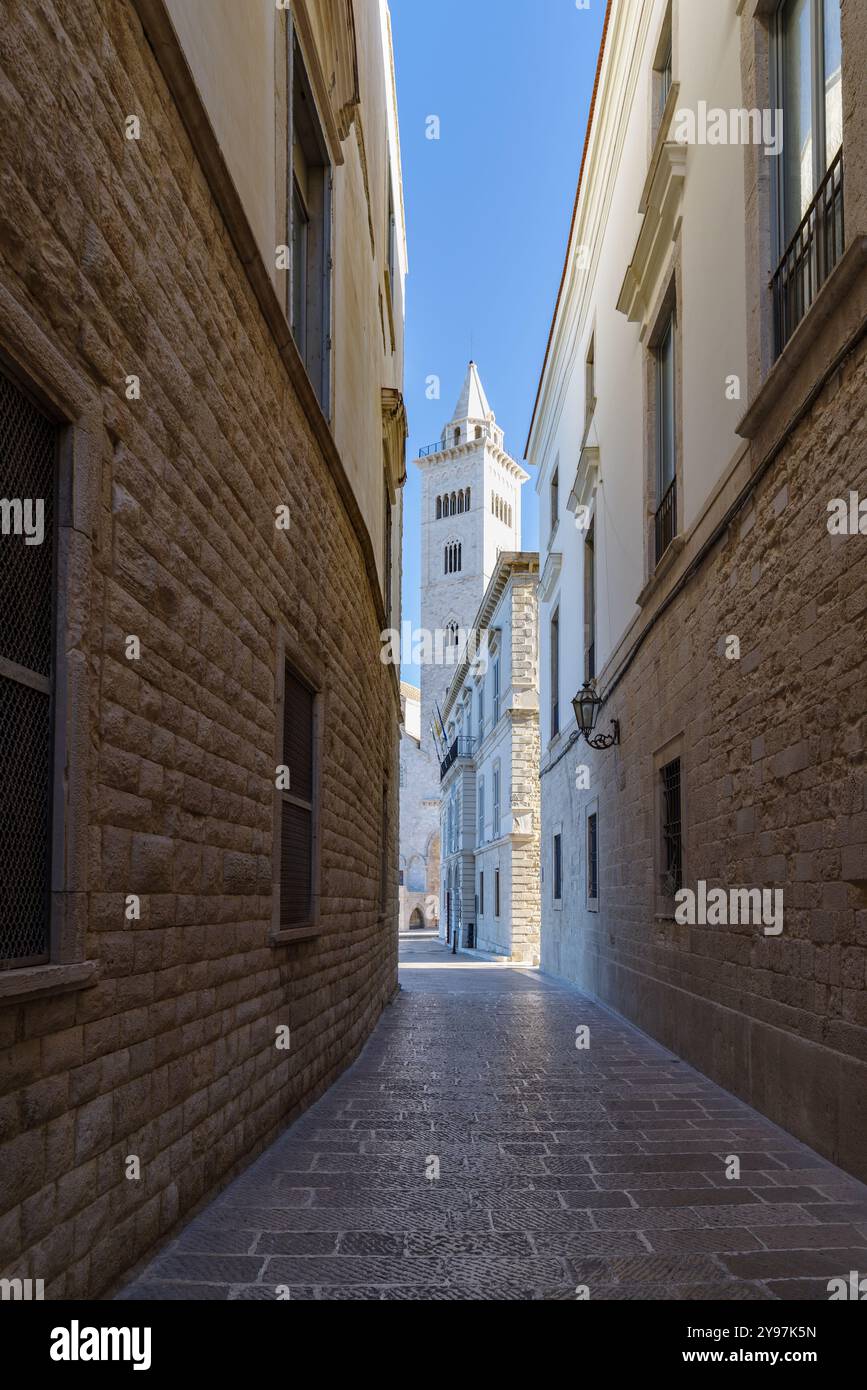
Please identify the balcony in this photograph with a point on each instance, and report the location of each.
(811, 255)
(666, 520)
(461, 748)
(441, 446)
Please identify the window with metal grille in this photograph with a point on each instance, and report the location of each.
(666, 466)
(590, 603)
(558, 868)
(296, 827)
(482, 894)
(555, 674)
(592, 858)
(810, 233)
(28, 449)
(496, 892)
(672, 848)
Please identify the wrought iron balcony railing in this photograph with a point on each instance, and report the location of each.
(461, 748)
(811, 255)
(666, 520)
(441, 445)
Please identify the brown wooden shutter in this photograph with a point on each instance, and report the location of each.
(296, 823)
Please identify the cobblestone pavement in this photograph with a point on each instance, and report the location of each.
(558, 1167)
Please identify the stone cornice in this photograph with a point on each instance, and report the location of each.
(661, 199)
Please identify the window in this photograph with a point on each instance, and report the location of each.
(310, 229)
(807, 70)
(662, 70)
(592, 859)
(391, 231)
(481, 811)
(495, 820)
(496, 892)
(590, 603)
(388, 541)
(555, 673)
(672, 851)
(457, 436)
(555, 500)
(478, 431)
(590, 382)
(481, 712)
(482, 893)
(384, 852)
(558, 868)
(452, 558)
(460, 502)
(666, 490)
(439, 508)
(467, 502)
(27, 615)
(297, 804)
(496, 706)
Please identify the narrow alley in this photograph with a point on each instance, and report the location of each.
(474, 1151)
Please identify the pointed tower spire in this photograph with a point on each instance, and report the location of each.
(472, 402)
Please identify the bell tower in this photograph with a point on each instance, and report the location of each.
(471, 512)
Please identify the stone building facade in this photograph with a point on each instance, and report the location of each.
(200, 819)
(490, 777)
(701, 407)
(419, 824)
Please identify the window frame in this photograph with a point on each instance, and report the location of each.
(554, 670)
(593, 858)
(46, 376)
(557, 867)
(307, 674)
(299, 83)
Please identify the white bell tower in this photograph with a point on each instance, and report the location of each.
(471, 512)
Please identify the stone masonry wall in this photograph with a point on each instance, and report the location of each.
(774, 792)
(117, 251)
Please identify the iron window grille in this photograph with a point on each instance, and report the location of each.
(28, 448)
(672, 848)
(811, 255)
(592, 858)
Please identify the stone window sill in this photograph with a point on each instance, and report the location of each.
(662, 569)
(288, 937)
(39, 981)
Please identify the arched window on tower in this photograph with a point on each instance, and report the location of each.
(458, 566)
(478, 431)
(446, 559)
(467, 501)
(460, 502)
(509, 518)
(458, 435)
(454, 504)
(439, 508)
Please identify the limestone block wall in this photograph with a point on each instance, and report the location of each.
(772, 758)
(115, 259)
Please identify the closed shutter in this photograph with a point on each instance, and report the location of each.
(28, 450)
(296, 821)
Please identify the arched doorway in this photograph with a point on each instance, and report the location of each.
(416, 921)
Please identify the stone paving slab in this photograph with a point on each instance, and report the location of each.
(556, 1168)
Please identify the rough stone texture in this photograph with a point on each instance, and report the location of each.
(118, 253)
(774, 796)
(558, 1167)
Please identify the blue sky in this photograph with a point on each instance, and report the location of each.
(488, 208)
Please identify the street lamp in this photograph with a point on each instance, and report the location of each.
(587, 705)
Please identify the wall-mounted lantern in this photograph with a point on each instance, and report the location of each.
(587, 705)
